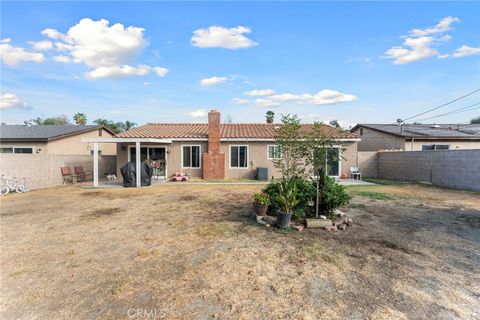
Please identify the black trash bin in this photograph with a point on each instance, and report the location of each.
(262, 174)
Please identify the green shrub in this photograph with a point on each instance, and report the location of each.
(305, 194)
(331, 195)
(261, 198)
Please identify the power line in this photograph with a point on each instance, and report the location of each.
(460, 110)
(443, 105)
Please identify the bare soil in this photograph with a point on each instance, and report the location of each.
(188, 251)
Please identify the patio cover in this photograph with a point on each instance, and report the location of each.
(137, 141)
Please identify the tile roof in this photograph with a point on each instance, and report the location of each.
(41, 133)
(227, 131)
(428, 131)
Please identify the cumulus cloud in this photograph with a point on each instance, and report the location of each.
(12, 56)
(239, 101)
(417, 45)
(108, 50)
(323, 97)
(41, 45)
(11, 101)
(259, 93)
(221, 37)
(442, 26)
(464, 51)
(200, 113)
(207, 82)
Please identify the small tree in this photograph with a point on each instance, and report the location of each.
(475, 120)
(80, 118)
(57, 120)
(270, 116)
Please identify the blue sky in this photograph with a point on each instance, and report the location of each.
(352, 61)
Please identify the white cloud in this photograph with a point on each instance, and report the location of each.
(259, 93)
(464, 51)
(212, 81)
(442, 26)
(41, 45)
(200, 113)
(239, 101)
(110, 51)
(418, 43)
(62, 58)
(327, 96)
(323, 97)
(12, 56)
(221, 37)
(419, 49)
(266, 102)
(11, 101)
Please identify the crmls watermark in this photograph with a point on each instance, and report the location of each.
(146, 313)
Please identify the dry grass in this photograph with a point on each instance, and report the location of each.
(192, 252)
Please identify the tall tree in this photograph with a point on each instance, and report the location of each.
(125, 126)
(116, 127)
(270, 116)
(80, 118)
(56, 120)
(475, 120)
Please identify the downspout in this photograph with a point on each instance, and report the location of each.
(413, 140)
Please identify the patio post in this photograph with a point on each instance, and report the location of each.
(138, 161)
(95, 164)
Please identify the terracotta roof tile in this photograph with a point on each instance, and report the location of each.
(234, 130)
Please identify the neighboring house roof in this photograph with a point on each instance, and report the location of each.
(43, 133)
(252, 131)
(427, 131)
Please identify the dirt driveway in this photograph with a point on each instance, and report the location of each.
(192, 252)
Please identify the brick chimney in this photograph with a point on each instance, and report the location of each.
(213, 161)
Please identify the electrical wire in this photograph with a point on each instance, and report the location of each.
(443, 105)
(460, 110)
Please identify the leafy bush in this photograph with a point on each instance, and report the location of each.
(305, 194)
(287, 195)
(331, 195)
(261, 198)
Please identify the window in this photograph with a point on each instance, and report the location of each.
(273, 152)
(191, 157)
(435, 147)
(16, 150)
(238, 156)
(361, 131)
(99, 152)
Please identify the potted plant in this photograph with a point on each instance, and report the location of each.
(260, 203)
(287, 199)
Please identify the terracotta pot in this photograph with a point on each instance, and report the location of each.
(260, 209)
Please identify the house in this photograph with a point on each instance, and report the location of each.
(218, 151)
(52, 139)
(38, 152)
(415, 137)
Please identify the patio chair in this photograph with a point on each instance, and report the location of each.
(82, 174)
(355, 173)
(67, 174)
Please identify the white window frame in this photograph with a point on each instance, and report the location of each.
(268, 151)
(20, 147)
(230, 156)
(339, 147)
(199, 153)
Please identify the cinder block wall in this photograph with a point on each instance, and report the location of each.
(44, 169)
(457, 169)
(368, 163)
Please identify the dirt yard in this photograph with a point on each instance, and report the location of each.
(189, 251)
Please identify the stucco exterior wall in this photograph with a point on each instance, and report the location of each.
(373, 140)
(453, 145)
(40, 147)
(75, 145)
(257, 157)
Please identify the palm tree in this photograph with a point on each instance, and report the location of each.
(270, 116)
(80, 118)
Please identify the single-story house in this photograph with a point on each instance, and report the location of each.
(52, 139)
(215, 150)
(416, 137)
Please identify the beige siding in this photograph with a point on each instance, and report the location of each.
(75, 145)
(453, 145)
(373, 140)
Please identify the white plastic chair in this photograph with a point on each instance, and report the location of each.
(355, 173)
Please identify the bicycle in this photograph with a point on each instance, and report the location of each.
(7, 187)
